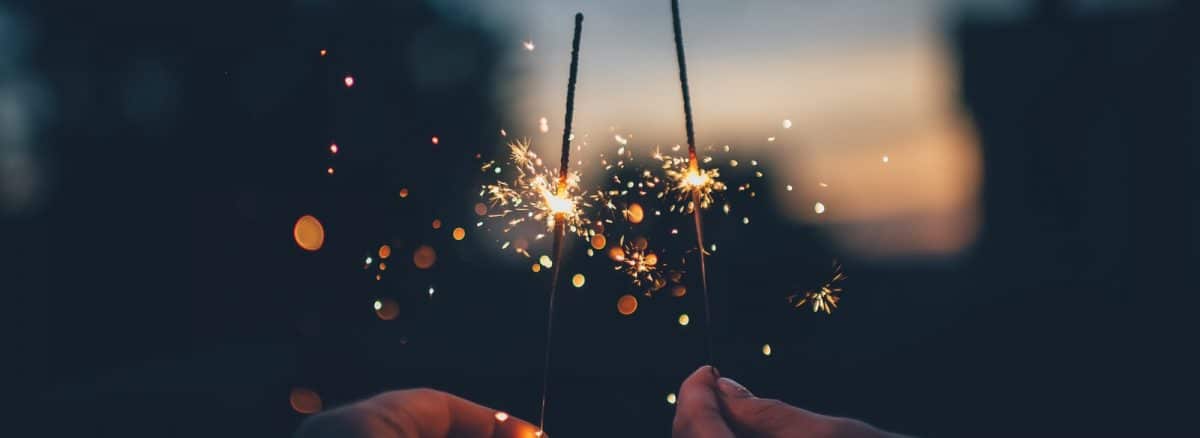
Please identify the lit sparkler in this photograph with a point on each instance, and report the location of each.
(561, 208)
(695, 180)
(824, 298)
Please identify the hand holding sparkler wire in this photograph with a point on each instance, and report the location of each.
(711, 406)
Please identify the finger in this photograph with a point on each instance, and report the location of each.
(753, 416)
(423, 413)
(697, 412)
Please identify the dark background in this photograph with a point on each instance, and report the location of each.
(156, 289)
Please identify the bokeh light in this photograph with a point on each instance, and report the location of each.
(679, 290)
(480, 209)
(634, 213)
(501, 416)
(437, 224)
(599, 241)
(545, 261)
(671, 398)
(766, 349)
(424, 257)
(577, 280)
(385, 251)
(309, 233)
(459, 233)
(348, 80)
(684, 319)
(305, 401)
(387, 309)
(403, 192)
(627, 304)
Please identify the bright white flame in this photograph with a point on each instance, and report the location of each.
(557, 204)
(695, 179)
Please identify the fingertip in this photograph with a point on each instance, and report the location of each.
(508, 426)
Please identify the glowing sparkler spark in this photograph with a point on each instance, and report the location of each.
(536, 194)
(687, 182)
(641, 265)
(824, 298)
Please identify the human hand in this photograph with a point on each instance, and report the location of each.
(711, 406)
(419, 413)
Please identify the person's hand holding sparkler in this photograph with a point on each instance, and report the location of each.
(711, 406)
(415, 413)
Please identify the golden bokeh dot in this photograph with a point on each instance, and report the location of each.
(684, 319)
(766, 349)
(577, 280)
(536, 268)
(598, 242)
(616, 253)
(404, 192)
(305, 401)
(308, 233)
(480, 209)
(634, 213)
(627, 304)
(545, 261)
(382, 266)
(385, 251)
(650, 259)
(387, 309)
(671, 398)
(459, 233)
(424, 257)
(437, 223)
(679, 290)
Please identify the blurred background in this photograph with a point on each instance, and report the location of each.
(1008, 184)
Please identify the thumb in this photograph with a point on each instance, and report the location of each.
(698, 413)
(750, 415)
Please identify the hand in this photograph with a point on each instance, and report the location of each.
(420, 413)
(710, 406)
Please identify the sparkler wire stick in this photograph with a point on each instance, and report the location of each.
(693, 168)
(560, 230)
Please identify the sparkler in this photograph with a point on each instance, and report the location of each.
(699, 184)
(563, 209)
(824, 298)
